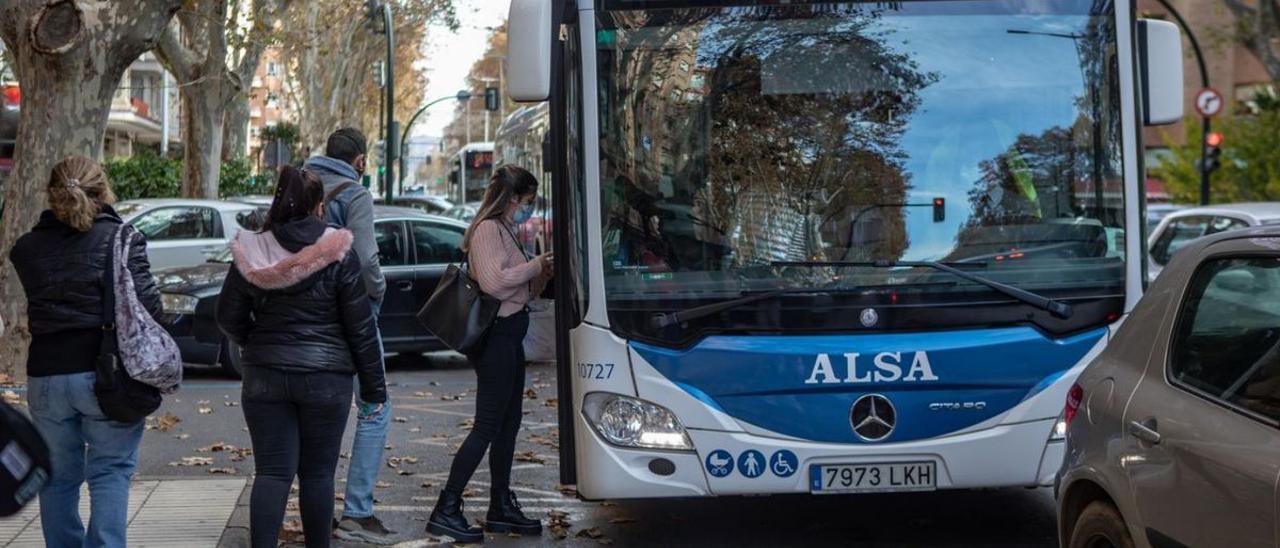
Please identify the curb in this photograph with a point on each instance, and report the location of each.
(236, 533)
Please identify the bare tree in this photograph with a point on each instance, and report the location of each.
(330, 49)
(1258, 29)
(70, 56)
(196, 48)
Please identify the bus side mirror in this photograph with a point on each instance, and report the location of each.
(1160, 53)
(529, 50)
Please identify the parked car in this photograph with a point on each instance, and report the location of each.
(1171, 432)
(435, 205)
(1157, 213)
(463, 212)
(413, 247)
(1180, 227)
(186, 232)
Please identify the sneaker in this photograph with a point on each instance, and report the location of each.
(369, 530)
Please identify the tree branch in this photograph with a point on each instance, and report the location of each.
(182, 62)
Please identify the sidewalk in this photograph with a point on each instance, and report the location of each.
(163, 513)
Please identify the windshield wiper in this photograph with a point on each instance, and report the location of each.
(661, 320)
(1058, 309)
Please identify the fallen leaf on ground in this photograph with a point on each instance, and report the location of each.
(217, 448)
(400, 419)
(569, 490)
(427, 485)
(530, 456)
(291, 531)
(415, 430)
(163, 422)
(382, 484)
(344, 455)
(550, 403)
(405, 472)
(193, 461)
(467, 493)
(227, 471)
(231, 403)
(182, 436)
(421, 394)
(341, 497)
(530, 394)
(467, 423)
(592, 533)
(622, 520)
(205, 410)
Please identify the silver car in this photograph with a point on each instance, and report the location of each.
(182, 232)
(1171, 432)
(1177, 228)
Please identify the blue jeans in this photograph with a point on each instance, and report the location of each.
(66, 413)
(366, 449)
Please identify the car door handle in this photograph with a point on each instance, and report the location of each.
(405, 285)
(1145, 430)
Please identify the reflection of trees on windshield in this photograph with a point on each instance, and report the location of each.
(1066, 176)
(766, 132)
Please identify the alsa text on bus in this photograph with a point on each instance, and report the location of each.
(884, 367)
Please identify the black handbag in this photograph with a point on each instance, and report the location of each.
(24, 460)
(458, 312)
(121, 398)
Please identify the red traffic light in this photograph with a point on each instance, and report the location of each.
(1213, 139)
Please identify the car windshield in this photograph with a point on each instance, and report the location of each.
(734, 138)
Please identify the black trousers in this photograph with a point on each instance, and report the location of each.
(499, 399)
(296, 422)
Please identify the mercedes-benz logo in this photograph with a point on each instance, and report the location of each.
(873, 417)
(869, 317)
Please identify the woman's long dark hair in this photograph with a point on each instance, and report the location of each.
(508, 182)
(298, 195)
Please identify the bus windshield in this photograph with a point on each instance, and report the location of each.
(979, 133)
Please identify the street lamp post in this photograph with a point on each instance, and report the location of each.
(463, 95)
(392, 127)
(1204, 82)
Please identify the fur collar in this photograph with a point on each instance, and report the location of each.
(266, 264)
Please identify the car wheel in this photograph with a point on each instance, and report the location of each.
(229, 359)
(1100, 526)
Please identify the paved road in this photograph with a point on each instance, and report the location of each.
(433, 400)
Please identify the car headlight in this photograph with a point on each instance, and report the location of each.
(631, 422)
(178, 304)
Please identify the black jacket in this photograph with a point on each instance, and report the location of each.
(61, 270)
(294, 301)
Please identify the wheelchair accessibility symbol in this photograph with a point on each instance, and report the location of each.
(783, 463)
(719, 463)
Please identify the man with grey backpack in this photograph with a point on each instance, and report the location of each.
(347, 204)
(86, 277)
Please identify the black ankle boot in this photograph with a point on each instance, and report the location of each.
(447, 520)
(505, 516)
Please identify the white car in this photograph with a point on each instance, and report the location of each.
(184, 232)
(1181, 227)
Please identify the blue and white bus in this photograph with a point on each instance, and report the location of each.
(830, 247)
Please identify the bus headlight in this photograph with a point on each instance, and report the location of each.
(631, 422)
(174, 303)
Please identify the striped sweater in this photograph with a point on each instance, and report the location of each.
(500, 267)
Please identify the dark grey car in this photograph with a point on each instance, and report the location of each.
(1172, 433)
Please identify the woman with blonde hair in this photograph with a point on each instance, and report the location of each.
(61, 266)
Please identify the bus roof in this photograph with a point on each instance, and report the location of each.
(483, 147)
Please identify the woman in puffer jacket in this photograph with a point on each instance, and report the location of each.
(296, 305)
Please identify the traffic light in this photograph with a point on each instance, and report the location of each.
(939, 210)
(1212, 152)
(380, 152)
(491, 99)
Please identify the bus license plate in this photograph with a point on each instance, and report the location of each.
(870, 478)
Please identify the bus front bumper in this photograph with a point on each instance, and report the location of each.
(1007, 455)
